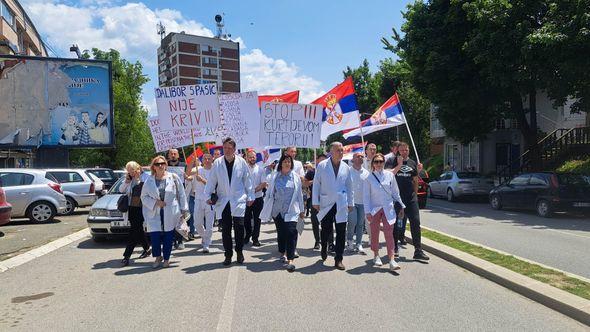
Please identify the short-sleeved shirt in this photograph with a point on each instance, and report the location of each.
(405, 180)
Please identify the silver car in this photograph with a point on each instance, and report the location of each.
(460, 184)
(34, 194)
(77, 186)
(104, 219)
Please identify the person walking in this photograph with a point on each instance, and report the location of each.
(203, 213)
(252, 216)
(356, 218)
(284, 203)
(164, 204)
(381, 195)
(333, 198)
(132, 188)
(230, 179)
(308, 182)
(370, 152)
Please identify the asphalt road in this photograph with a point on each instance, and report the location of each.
(21, 234)
(562, 242)
(82, 287)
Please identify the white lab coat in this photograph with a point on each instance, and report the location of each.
(329, 190)
(175, 203)
(237, 194)
(381, 196)
(295, 207)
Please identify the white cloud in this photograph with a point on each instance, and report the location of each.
(130, 28)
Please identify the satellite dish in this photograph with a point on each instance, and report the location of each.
(218, 18)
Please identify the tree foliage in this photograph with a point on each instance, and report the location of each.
(132, 136)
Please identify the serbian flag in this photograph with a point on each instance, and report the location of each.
(351, 149)
(289, 97)
(213, 147)
(388, 115)
(340, 109)
(267, 156)
(198, 153)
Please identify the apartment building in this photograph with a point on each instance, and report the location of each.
(185, 59)
(17, 33)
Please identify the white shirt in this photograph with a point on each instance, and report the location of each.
(358, 179)
(298, 168)
(381, 194)
(197, 188)
(257, 176)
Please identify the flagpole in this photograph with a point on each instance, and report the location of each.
(361, 129)
(194, 150)
(410, 132)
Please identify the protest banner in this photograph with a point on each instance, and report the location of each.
(167, 139)
(240, 118)
(193, 107)
(287, 124)
(178, 170)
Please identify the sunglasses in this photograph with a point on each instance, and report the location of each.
(378, 161)
(159, 164)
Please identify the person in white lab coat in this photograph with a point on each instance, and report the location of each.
(356, 218)
(164, 204)
(230, 179)
(203, 213)
(252, 216)
(333, 197)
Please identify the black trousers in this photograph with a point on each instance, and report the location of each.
(315, 225)
(286, 236)
(252, 220)
(412, 213)
(327, 233)
(227, 221)
(136, 233)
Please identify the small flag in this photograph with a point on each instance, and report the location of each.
(289, 97)
(388, 115)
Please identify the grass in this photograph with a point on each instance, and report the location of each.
(548, 276)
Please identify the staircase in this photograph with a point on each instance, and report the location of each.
(548, 153)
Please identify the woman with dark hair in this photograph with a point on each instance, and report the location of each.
(284, 203)
(100, 133)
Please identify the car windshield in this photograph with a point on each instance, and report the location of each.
(115, 189)
(577, 180)
(469, 175)
(103, 174)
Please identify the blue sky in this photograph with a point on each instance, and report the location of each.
(288, 44)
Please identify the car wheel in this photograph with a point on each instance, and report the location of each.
(450, 195)
(495, 202)
(98, 238)
(543, 208)
(70, 206)
(41, 211)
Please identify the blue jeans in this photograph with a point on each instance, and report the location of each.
(191, 208)
(162, 241)
(356, 223)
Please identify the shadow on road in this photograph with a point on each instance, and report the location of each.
(22, 222)
(368, 268)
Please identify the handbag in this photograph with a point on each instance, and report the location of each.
(123, 203)
(181, 227)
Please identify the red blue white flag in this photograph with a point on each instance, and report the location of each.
(388, 115)
(340, 109)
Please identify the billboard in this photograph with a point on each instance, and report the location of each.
(55, 102)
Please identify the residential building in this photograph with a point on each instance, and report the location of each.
(504, 144)
(17, 32)
(185, 59)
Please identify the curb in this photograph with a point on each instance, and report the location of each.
(568, 304)
(42, 250)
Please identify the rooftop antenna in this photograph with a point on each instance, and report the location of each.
(220, 25)
(161, 29)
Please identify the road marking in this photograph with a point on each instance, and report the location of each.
(229, 298)
(567, 233)
(449, 209)
(42, 250)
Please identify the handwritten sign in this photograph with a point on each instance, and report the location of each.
(189, 107)
(240, 118)
(178, 171)
(287, 124)
(168, 139)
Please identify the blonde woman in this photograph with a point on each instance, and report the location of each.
(164, 203)
(380, 195)
(132, 188)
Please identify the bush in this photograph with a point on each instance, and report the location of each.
(575, 166)
(434, 166)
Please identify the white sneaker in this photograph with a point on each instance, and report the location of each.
(377, 261)
(393, 265)
(181, 246)
(360, 249)
(205, 250)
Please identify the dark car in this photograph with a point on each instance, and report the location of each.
(544, 192)
(106, 175)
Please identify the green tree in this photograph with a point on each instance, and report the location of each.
(132, 136)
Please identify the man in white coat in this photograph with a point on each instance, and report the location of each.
(203, 213)
(230, 180)
(333, 197)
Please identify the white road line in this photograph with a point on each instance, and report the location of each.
(567, 233)
(449, 209)
(42, 250)
(229, 297)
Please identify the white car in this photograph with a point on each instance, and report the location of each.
(33, 193)
(99, 188)
(104, 220)
(77, 186)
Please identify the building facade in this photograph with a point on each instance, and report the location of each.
(185, 59)
(17, 32)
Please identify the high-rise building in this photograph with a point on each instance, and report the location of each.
(17, 33)
(185, 59)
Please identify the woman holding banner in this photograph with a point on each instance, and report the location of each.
(284, 203)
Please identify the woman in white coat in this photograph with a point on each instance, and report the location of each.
(164, 204)
(284, 203)
(380, 195)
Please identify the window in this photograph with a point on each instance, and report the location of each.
(103, 174)
(210, 72)
(7, 14)
(538, 180)
(15, 179)
(211, 61)
(521, 180)
(67, 177)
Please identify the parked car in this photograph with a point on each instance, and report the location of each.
(5, 208)
(423, 189)
(98, 185)
(34, 194)
(104, 220)
(77, 186)
(119, 173)
(106, 175)
(544, 192)
(453, 185)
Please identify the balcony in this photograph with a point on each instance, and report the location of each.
(7, 31)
